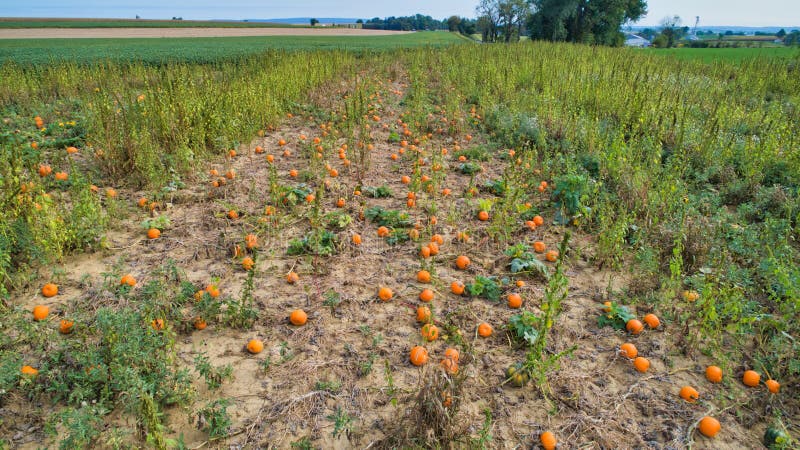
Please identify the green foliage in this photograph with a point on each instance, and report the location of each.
(337, 220)
(475, 153)
(293, 195)
(525, 326)
(617, 317)
(214, 376)
(342, 422)
(316, 242)
(485, 433)
(538, 364)
(486, 287)
(523, 260)
(214, 418)
(469, 168)
(583, 21)
(569, 196)
(497, 187)
(376, 192)
(82, 426)
(332, 299)
(161, 223)
(203, 50)
(388, 218)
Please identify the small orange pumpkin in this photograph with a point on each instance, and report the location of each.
(49, 290)
(40, 312)
(418, 355)
(298, 317)
(255, 346)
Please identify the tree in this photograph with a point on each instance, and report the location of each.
(780, 34)
(591, 22)
(453, 23)
(512, 14)
(488, 18)
(314, 22)
(360, 22)
(502, 17)
(670, 29)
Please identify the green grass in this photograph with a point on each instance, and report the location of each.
(199, 50)
(728, 54)
(129, 23)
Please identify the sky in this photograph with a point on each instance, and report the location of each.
(711, 12)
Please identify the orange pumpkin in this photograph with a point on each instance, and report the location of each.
(514, 300)
(714, 374)
(641, 364)
(66, 326)
(709, 426)
(484, 330)
(385, 294)
(652, 320)
(689, 394)
(457, 287)
(423, 314)
(430, 332)
(40, 312)
(548, 440)
(634, 326)
(298, 317)
(751, 378)
(628, 350)
(418, 355)
(49, 290)
(255, 346)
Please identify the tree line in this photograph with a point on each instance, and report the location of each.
(581, 21)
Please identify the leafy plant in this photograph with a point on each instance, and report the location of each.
(377, 192)
(525, 261)
(342, 422)
(214, 376)
(569, 197)
(338, 220)
(469, 168)
(487, 287)
(525, 326)
(161, 222)
(617, 316)
(388, 218)
(497, 187)
(316, 242)
(214, 418)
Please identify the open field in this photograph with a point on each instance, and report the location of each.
(13, 22)
(47, 51)
(304, 249)
(736, 55)
(187, 32)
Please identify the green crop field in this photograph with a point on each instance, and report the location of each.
(199, 50)
(728, 54)
(129, 23)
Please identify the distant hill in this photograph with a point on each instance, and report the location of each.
(306, 20)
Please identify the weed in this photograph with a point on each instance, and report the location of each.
(214, 419)
(342, 422)
(214, 376)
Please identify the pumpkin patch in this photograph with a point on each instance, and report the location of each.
(570, 250)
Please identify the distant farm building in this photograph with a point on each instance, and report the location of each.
(634, 40)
